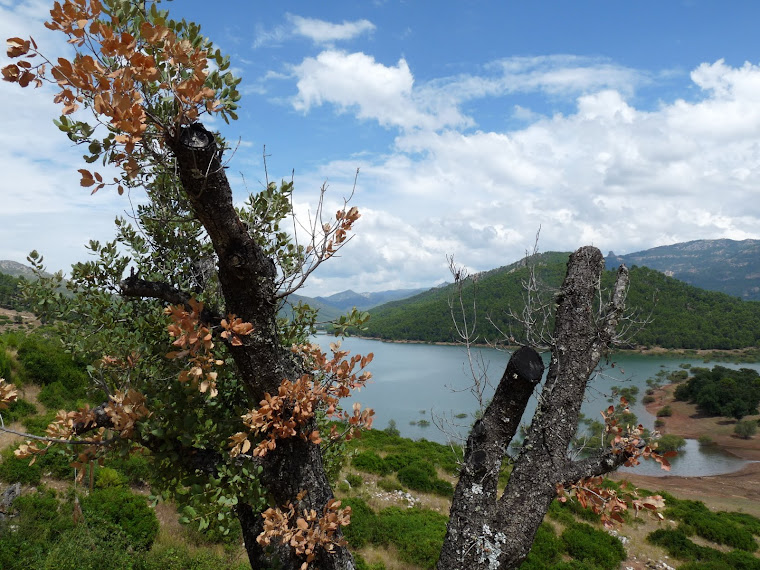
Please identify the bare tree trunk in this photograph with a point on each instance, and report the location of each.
(247, 277)
(489, 532)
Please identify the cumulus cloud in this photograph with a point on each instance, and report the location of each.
(43, 205)
(318, 31)
(607, 173)
(356, 82)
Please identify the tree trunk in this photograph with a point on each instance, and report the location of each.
(487, 532)
(247, 277)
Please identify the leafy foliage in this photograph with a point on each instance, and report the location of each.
(722, 391)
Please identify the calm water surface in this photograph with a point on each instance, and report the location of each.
(413, 382)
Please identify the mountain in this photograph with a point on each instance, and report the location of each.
(678, 315)
(346, 300)
(724, 265)
(15, 269)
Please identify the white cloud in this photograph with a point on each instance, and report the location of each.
(320, 31)
(43, 205)
(356, 82)
(609, 174)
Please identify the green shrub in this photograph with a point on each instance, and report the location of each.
(704, 440)
(136, 468)
(678, 545)
(370, 462)
(546, 551)
(664, 412)
(162, 557)
(125, 510)
(354, 480)
(89, 547)
(392, 429)
(363, 527)
(421, 476)
(658, 423)
(17, 409)
(389, 485)
(45, 361)
(25, 540)
(5, 365)
(745, 428)
(13, 469)
(670, 442)
(107, 477)
(396, 461)
(648, 399)
(587, 544)
(560, 513)
(416, 533)
(362, 564)
(696, 518)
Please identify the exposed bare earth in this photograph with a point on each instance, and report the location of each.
(738, 491)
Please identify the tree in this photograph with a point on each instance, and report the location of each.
(231, 415)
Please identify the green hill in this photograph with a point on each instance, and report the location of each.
(681, 316)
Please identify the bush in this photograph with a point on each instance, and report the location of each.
(354, 480)
(125, 510)
(162, 557)
(745, 428)
(13, 469)
(363, 527)
(416, 533)
(88, 547)
(421, 476)
(389, 485)
(546, 551)
(17, 409)
(107, 477)
(586, 544)
(698, 519)
(45, 361)
(664, 412)
(658, 423)
(648, 399)
(704, 440)
(670, 442)
(371, 462)
(26, 539)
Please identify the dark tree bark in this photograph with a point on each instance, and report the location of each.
(247, 277)
(489, 532)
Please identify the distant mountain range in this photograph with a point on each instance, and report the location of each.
(724, 265)
(346, 300)
(15, 269)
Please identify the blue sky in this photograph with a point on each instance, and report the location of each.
(626, 125)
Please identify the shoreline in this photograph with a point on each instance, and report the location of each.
(735, 491)
(747, 354)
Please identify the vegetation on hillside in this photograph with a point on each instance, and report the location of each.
(722, 391)
(678, 315)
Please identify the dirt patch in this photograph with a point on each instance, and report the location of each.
(737, 491)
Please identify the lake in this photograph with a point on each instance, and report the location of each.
(413, 382)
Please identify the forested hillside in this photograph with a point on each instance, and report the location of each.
(681, 316)
(9, 292)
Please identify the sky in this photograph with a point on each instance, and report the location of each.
(624, 125)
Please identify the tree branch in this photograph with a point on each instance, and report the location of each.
(603, 462)
(133, 286)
